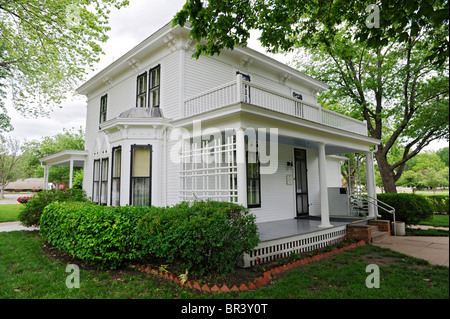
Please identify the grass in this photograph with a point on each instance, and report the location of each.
(437, 221)
(27, 273)
(9, 212)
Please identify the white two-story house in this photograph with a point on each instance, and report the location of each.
(163, 127)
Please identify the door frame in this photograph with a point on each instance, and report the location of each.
(302, 213)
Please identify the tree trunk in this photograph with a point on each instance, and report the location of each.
(386, 172)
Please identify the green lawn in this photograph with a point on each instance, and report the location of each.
(25, 272)
(9, 212)
(437, 221)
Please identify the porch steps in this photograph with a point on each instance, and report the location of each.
(375, 231)
(377, 235)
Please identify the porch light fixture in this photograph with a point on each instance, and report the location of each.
(245, 77)
(297, 95)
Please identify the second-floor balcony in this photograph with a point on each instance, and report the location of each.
(240, 91)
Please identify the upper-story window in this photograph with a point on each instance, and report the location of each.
(141, 93)
(103, 108)
(155, 75)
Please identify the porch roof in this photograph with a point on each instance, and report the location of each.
(64, 158)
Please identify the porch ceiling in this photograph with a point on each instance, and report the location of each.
(329, 149)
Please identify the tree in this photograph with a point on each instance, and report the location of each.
(444, 155)
(5, 121)
(394, 76)
(46, 47)
(411, 179)
(9, 157)
(34, 150)
(433, 179)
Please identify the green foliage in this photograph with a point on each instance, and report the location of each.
(394, 76)
(439, 203)
(99, 235)
(49, 46)
(31, 212)
(32, 151)
(205, 236)
(409, 208)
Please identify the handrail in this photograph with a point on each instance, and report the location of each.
(389, 209)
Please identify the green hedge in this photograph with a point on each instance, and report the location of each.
(439, 203)
(31, 212)
(205, 236)
(409, 208)
(100, 235)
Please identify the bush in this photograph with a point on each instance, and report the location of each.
(439, 203)
(409, 208)
(99, 235)
(205, 236)
(31, 212)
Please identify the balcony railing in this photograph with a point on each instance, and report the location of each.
(240, 91)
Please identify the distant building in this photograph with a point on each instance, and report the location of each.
(26, 185)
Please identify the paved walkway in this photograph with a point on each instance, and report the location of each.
(433, 249)
(11, 198)
(12, 226)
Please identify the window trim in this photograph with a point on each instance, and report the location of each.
(112, 172)
(94, 181)
(154, 88)
(131, 172)
(103, 98)
(100, 181)
(258, 205)
(138, 95)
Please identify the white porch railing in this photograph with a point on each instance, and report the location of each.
(247, 92)
(277, 248)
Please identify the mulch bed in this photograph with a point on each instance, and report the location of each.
(241, 279)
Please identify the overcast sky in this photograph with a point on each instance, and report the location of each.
(129, 26)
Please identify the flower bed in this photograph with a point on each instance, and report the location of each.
(24, 199)
(261, 281)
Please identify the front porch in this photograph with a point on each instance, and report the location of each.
(281, 238)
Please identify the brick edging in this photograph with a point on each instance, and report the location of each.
(260, 282)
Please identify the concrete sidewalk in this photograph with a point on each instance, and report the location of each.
(12, 226)
(433, 249)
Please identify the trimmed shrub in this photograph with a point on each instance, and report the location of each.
(409, 208)
(205, 236)
(439, 203)
(99, 235)
(31, 212)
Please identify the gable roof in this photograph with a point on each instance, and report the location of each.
(165, 34)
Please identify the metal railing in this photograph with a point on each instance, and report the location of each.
(385, 207)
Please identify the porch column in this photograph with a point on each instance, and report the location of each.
(370, 180)
(324, 209)
(241, 167)
(46, 171)
(71, 173)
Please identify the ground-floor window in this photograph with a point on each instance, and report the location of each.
(100, 184)
(253, 180)
(140, 190)
(115, 175)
